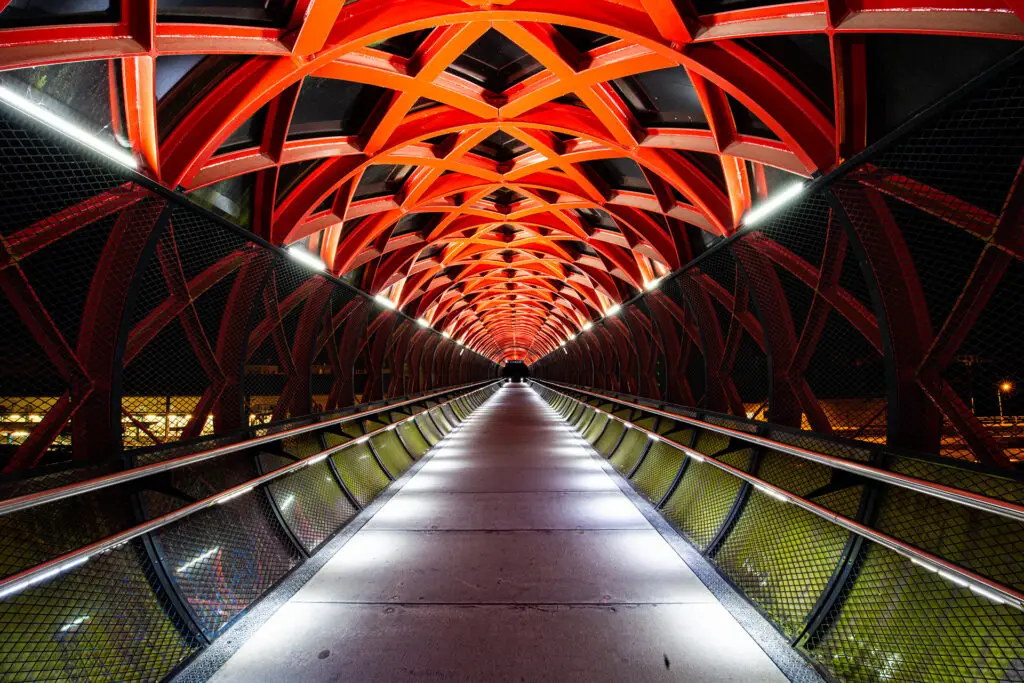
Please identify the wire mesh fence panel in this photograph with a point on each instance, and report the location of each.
(658, 470)
(412, 439)
(429, 431)
(309, 501)
(701, 502)
(781, 557)
(901, 622)
(363, 477)
(609, 438)
(627, 453)
(596, 427)
(391, 453)
(441, 421)
(190, 303)
(105, 620)
(224, 558)
(988, 544)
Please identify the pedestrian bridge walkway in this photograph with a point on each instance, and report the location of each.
(511, 552)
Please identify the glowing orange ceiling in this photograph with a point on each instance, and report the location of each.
(506, 170)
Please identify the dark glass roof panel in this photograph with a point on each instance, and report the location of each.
(326, 204)
(180, 80)
(807, 57)
(665, 97)
(381, 180)
(494, 62)
(328, 106)
(501, 147)
(246, 135)
(413, 222)
(582, 39)
(710, 163)
(619, 173)
(910, 72)
(504, 195)
(242, 12)
(747, 123)
(291, 175)
(44, 12)
(404, 45)
(598, 219)
(231, 198)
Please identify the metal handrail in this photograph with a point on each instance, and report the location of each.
(32, 500)
(977, 583)
(970, 499)
(58, 565)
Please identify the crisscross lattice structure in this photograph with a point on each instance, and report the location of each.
(507, 170)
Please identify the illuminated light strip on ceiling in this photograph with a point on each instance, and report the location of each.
(385, 301)
(652, 285)
(613, 310)
(306, 258)
(67, 128)
(587, 326)
(422, 322)
(773, 204)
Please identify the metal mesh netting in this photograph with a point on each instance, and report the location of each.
(987, 544)
(609, 438)
(359, 470)
(596, 427)
(440, 421)
(309, 501)
(874, 308)
(428, 430)
(629, 451)
(781, 557)
(701, 502)
(412, 439)
(105, 620)
(137, 322)
(224, 558)
(658, 470)
(391, 453)
(901, 622)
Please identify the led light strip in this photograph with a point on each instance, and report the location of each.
(67, 128)
(960, 576)
(17, 583)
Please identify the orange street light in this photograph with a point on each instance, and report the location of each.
(1004, 387)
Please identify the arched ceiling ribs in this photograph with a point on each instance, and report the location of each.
(534, 191)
